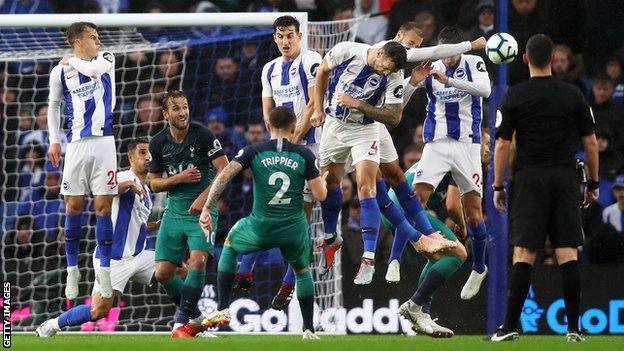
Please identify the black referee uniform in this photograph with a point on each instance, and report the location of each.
(550, 119)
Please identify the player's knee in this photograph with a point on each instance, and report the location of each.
(366, 191)
(197, 263)
(103, 211)
(474, 219)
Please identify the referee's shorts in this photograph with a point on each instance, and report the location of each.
(545, 202)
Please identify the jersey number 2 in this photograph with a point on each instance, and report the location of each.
(278, 199)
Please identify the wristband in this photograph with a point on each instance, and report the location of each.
(592, 185)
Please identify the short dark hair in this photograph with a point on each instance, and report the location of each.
(539, 50)
(410, 25)
(450, 35)
(603, 78)
(170, 95)
(282, 118)
(132, 145)
(397, 53)
(75, 30)
(286, 21)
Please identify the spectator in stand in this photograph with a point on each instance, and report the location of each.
(44, 204)
(26, 6)
(411, 155)
(614, 214)
(255, 133)
(40, 135)
(169, 69)
(373, 30)
(566, 67)
(231, 141)
(613, 68)
(526, 18)
(610, 163)
(25, 124)
(608, 116)
(230, 89)
(484, 28)
(425, 20)
(417, 138)
(31, 174)
(114, 6)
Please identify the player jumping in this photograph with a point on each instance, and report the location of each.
(85, 83)
(130, 258)
(280, 170)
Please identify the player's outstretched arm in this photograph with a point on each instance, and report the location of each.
(96, 68)
(444, 50)
(216, 189)
(318, 186)
(219, 164)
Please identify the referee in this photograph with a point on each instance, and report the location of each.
(549, 118)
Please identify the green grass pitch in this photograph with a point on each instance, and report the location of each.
(96, 342)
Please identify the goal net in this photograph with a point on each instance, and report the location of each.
(219, 67)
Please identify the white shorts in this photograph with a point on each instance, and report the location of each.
(387, 151)
(463, 160)
(343, 139)
(138, 269)
(90, 167)
(307, 192)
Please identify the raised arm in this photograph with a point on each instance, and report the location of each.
(96, 68)
(437, 52)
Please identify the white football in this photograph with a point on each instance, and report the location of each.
(501, 48)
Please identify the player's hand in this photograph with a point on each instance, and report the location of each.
(137, 189)
(590, 196)
(478, 43)
(205, 221)
(190, 175)
(65, 60)
(317, 119)
(419, 73)
(439, 76)
(54, 154)
(500, 201)
(347, 101)
(196, 206)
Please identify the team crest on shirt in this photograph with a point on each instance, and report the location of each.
(460, 73)
(293, 71)
(192, 150)
(373, 81)
(65, 185)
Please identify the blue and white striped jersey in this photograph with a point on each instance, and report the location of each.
(129, 214)
(455, 110)
(352, 75)
(614, 216)
(88, 95)
(287, 83)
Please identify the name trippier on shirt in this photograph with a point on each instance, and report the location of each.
(280, 160)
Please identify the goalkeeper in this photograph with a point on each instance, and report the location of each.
(280, 170)
(439, 268)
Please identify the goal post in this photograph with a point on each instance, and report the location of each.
(183, 55)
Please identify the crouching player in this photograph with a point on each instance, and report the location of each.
(277, 219)
(130, 258)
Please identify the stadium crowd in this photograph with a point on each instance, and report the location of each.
(222, 79)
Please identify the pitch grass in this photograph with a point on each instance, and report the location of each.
(290, 343)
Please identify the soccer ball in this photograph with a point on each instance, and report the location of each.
(501, 48)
